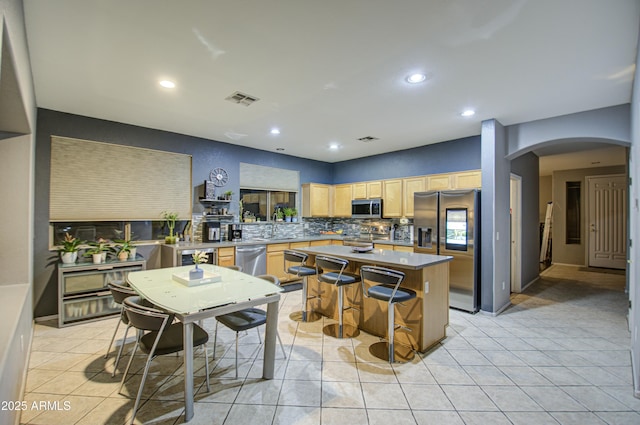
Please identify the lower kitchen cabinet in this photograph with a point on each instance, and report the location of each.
(275, 260)
(226, 256)
(83, 294)
(403, 248)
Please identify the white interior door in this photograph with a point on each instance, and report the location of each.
(515, 203)
(607, 218)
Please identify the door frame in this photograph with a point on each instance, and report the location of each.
(515, 203)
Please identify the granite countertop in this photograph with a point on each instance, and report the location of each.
(380, 257)
(263, 241)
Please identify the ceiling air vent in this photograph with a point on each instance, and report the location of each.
(368, 139)
(241, 98)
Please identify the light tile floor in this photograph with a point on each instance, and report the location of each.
(558, 355)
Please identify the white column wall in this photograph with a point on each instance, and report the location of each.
(495, 219)
(16, 216)
(633, 277)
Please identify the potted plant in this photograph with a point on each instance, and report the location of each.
(279, 214)
(69, 249)
(199, 257)
(98, 251)
(294, 214)
(288, 212)
(170, 218)
(123, 249)
(227, 194)
(130, 246)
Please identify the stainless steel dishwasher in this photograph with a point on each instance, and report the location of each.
(252, 259)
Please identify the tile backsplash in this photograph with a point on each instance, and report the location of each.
(364, 228)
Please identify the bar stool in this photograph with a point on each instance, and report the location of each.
(388, 289)
(331, 270)
(297, 266)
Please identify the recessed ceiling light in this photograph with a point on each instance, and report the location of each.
(275, 131)
(416, 78)
(468, 113)
(167, 84)
(334, 146)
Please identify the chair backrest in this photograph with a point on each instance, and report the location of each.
(295, 257)
(236, 268)
(143, 317)
(381, 276)
(271, 278)
(326, 264)
(120, 292)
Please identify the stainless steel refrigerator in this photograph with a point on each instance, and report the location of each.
(448, 223)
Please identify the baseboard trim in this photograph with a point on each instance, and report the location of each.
(495, 313)
(46, 318)
(635, 374)
(537, 278)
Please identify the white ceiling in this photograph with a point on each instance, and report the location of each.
(592, 156)
(331, 71)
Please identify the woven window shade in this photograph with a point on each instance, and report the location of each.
(268, 178)
(93, 181)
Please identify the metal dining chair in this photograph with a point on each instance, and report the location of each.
(388, 289)
(244, 320)
(295, 263)
(157, 335)
(119, 294)
(236, 268)
(332, 270)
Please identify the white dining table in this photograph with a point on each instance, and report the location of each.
(235, 291)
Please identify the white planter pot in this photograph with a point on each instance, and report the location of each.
(132, 253)
(69, 257)
(104, 256)
(97, 258)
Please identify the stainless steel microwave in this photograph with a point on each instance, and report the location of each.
(366, 208)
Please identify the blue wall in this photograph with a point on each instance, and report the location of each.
(456, 155)
(207, 154)
(445, 157)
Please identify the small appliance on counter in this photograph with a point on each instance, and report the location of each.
(234, 232)
(211, 231)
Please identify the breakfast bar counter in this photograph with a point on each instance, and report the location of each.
(427, 316)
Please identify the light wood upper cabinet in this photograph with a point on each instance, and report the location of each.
(374, 190)
(468, 180)
(409, 187)
(359, 190)
(342, 200)
(439, 182)
(367, 190)
(315, 200)
(392, 198)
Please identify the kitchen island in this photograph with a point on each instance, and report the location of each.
(427, 316)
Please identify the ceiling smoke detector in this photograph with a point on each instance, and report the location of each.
(241, 98)
(368, 139)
